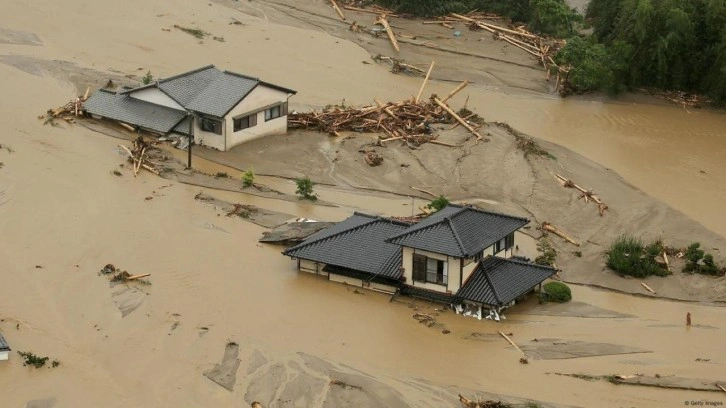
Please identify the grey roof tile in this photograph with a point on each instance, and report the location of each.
(498, 281)
(184, 88)
(126, 109)
(4, 346)
(222, 94)
(459, 231)
(182, 127)
(358, 243)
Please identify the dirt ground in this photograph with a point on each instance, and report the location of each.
(302, 341)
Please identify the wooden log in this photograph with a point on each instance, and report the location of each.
(665, 258)
(513, 343)
(424, 191)
(455, 91)
(85, 95)
(390, 139)
(441, 143)
(648, 288)
(507, 39)
(386, 109)
(338, 10)
(546, 226)
(383, 20)
(721, 387)
(506, 30)
(467, 403)
(423, 85)
(134, 277)
(459, 119)
(129, 127)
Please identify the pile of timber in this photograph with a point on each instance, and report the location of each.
(141, 155)
(67, 112)
(409, 120)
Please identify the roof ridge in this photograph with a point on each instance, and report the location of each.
(456, 235)
(241, 75)
(495, 213)
(486, 275)
(183, 74)
(518, 262)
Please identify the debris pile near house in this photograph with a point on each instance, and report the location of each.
(140, 155)
(67, 112)
(408, 120)
(117, 275)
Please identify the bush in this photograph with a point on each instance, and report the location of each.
(699, 262)
(438, 203)
(248, 178)
(557, 292)
(148, 78)
(34, 360)
(628, 255)
(305, 189)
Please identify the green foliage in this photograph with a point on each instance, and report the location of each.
(148, 78)
(628, 255)
(33, 360)
(438, 203)
(668, 44)
(699, 262)
(557, 292)
(594, 66)
(248, 178)
(305, 189)
(549, 254)
(517, 10)
(552, 17)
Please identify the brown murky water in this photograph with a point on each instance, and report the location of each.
(64, 211)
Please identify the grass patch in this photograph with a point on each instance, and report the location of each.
(628, 255)
(31, 359)
(196, 32)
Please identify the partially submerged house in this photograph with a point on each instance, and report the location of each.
(4, 348)
(220, 109)
(459, 255)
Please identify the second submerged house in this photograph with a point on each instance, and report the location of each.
(459, 255)
(224, 108)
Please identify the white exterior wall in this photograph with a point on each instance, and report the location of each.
(259, 98)
(155, 95)
(209, 139)
(452, 270)
(4, 355)
(468, 269)
(360, 284)
(312, 267)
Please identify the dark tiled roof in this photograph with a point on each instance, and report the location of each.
(440, 297)
(357, 243)
(3, 344)
(182, 127)
(459, 231)
(208, 90)
(126, 109)
(498, 281)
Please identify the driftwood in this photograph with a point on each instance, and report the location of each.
(721, 387)
(337, 9)
(459, 119)
(648, 288)
(524, 359)
(67, 112)
(383, 20)
(455, 91)
(665, 259)
(137, 156)
(546, 226)
(423, 85)
(588, 195)
(468, 403)
(424, 191)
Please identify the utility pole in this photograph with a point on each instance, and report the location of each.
(191, 141)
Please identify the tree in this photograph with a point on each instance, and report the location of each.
(438, 203)
(550, 17)
(305, 189)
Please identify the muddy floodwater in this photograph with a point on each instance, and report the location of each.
(227, 321)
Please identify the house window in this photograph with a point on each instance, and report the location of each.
(429, 270)
(211, 125)
(245, 122)
(276, 111)
(509, 241)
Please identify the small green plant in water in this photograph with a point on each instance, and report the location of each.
(438, 203)
(305, 189)
(248, 178)
(32, 359)
(148, 78)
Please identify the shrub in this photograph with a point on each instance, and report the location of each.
(305, 189)
(699, 262)
(557, 292)
(148, 78)
(248, 178)
(549, 254)
(628, 255)
(438, 203)
(32, 359)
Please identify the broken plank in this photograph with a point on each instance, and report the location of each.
(383, 20)
(459, 119)
(455, 91)
(134, 277)
(648, 288)
(442, 143)
(423, 85)
(546, 226)
(338, 10)
(424, 191)
(513, 343)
